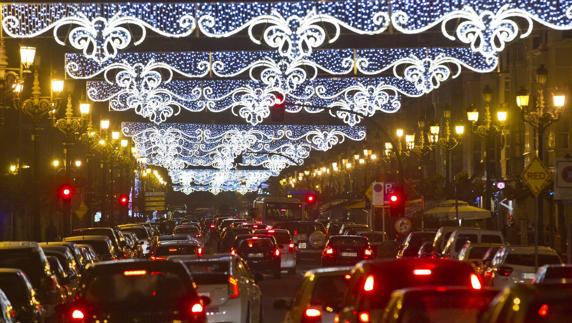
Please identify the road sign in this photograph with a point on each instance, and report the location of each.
(536, 176)
(155, 201)
(403, 225)
(563, 180)
(377, 194)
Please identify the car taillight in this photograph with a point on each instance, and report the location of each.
(291, 247)
(77, 315)
(157, 258)
(233, 252)
(197, 308)
(200, 251)
(212, 226)
(363, 317)
(543, 310)
(422, 272)
(329, 251)
(505, 271)
(369, 283)
(368, 252)
(233, 291)
(475, 282)
(135, 273)
(312, 315)
(276, 252)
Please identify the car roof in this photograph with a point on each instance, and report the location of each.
(329, 271)
(205, 258)
(14, 271)
(178, 243)
(92, 228)
(483, 231)
(86, 238)
(530, 249)
(404, 263)
(486, 245)
(348, 236)
(18, 245)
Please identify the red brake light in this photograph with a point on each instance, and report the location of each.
(233, 291)
(543, 310)
(368, 284)
(329, 251)
(368, 252)
(135, 273)
(199, 251)
(475, 282)
(212, 226)
(197, 308)
(232, 252)
(363, 317)
(271, 231)
(277, 252)
(77, 314)
(312, 312)
(347, 276)
(422, 272)
(291, 245)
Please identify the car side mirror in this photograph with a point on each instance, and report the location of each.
(206, 300)
(258, 277)
(282, 304)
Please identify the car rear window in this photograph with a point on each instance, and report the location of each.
(27, 260)
(100, 246)
(559, 272)
(168, 250)
(441, 307)
(528, 259)
(329, 291)
(208, 266)
(282, 237)
(137, 287)
(348, 242)
(490, 238)
(15, 289)
(256, 244)
(477, 252)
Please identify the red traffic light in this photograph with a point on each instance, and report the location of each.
(310, 198)
(123, 199)
(393, 198)
(65, 192)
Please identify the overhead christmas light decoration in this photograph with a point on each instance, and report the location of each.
(217, 177)
(487, 26)
(176, 146)
(101, 30)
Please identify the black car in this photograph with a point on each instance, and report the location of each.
(136, 291)
(228, 236)
(410, 247)
(111, 233)
(101, 244)
(346, 250)
(176, 247)
(261, 253)
(22, 295)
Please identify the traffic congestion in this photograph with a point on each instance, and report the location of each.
(279, 267)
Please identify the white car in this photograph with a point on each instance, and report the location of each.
(515, 264)
(229, 283)
(459, 237)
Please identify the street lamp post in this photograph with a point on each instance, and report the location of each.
(540, 116)
(488, 130)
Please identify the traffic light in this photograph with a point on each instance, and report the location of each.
(310, 198)
(123, 199)
(279, 108)
(396, 201)
(65, 192)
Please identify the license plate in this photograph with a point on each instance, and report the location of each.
(528, 276)
(256, 255)
(349, 254)
(302, 245)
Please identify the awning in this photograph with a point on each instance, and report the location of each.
(446, 211)
(356, 205)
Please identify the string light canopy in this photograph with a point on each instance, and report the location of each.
(176, 146)
(223, 180)
(101, 30)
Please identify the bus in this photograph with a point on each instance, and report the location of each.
(270, 210)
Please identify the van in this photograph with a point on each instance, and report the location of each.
(459, 237)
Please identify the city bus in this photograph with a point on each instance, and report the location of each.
(271, 210)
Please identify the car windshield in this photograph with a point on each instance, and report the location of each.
(559, 272)
(491, 238)
(251, 245)
(141, 233)
(329, 291)
(416, 239)
(209, 272)
(167, 250)
(528, 259)
(441, 307)
(358, 242)
(26, 260)
(15, 289)
(136, 287)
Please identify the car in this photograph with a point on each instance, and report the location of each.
(352, 228)
(191, 229)
(309, 237)
(88, 253)
(442, 237)
(475, 252)
(554, 274)
(345, 250)
(102, 245)
(75, 251)
(230, 284)
(287, 249)
(261, 253)
(527, 303)
(136, 291)
(320, 295)
(375, 238)
(112, 234)
(373, 281)
(412, 243)
(436, 304)
(143, 235)
(133, 244)
(225, 223)
(175, 247)
(514, 264)
(459, 237)
(22, 295)
(7, 312)
(333, 228)
(30, 259)
(228, 236)
(65, 258)
(67, 282)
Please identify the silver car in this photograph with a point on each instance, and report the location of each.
(228, 282)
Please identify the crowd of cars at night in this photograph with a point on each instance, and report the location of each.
(209, 271)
